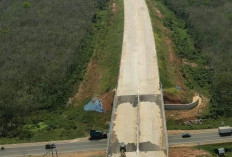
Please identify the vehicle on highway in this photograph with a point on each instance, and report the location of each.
(186, 135)
(50, 146)
(224, 131)
(97, 135)
(220, 152)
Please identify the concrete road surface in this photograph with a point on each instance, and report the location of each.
(138, 108)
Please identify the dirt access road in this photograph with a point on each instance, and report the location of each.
(138, 115)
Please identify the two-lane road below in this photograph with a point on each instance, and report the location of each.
(19, 150)
(201, 138)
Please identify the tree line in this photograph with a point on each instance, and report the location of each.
(45, 47)
(208, 24)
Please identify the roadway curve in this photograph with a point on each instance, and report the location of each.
(138, 116)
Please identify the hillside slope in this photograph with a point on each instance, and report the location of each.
(45, 47)
(209, 25)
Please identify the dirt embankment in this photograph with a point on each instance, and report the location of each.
(114, 8)
(107, 100)
(90, 88)
(173, 63)
(172, 99)
(187, 152)
(192, 114)
(97, 153)
(89, 85)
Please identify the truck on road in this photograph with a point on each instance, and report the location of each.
(224, 131)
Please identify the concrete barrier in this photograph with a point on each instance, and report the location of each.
(182, 106)
(166, 145)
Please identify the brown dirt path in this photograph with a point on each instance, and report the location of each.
(97, 153)
(187, 152)
(176, 132)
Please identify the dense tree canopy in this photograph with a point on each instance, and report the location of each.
(209, 24)
(41, 57)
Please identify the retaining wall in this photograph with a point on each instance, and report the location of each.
(182, 106)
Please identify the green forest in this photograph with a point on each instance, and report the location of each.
(202, 33)
(45, 47)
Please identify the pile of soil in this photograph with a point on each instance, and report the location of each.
(107, 100)
(172, 99)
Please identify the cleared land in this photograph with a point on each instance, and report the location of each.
(187, 152)
(98, 153)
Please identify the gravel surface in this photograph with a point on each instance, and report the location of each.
(150, 123)
(125, 123)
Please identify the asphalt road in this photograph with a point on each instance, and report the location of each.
(202, 138)
(85, 145)
(19, 151)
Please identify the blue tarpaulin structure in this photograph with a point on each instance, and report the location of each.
(94, 105)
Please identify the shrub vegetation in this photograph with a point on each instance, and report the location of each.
(202, 33)
(45, 47)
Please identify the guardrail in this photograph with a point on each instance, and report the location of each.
(182, 106)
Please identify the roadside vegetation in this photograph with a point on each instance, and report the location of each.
(211, 148)
(207, 124)
(200, 32)
(175, 89)
(208, 24)
(46, 47)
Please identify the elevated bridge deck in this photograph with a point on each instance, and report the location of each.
(138, 118)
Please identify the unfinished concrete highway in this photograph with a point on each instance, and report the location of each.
(138, 115)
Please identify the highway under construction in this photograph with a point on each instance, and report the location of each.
(138, 119)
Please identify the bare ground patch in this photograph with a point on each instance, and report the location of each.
(173, 65)
(114, 8)
(187, 152)
(89, 86)
(107, 100)
(97, 153)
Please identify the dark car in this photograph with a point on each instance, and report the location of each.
(186, 135)
(97, 135)
(50, 146)
(2, 148)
